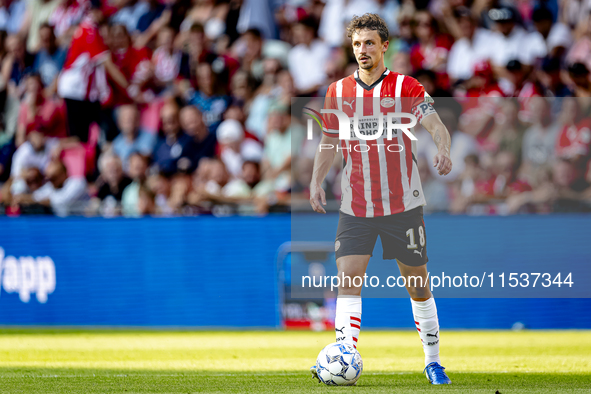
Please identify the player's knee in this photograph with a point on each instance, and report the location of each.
(416, 292)
(351, 281)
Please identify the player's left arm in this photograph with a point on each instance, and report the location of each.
(433, 124)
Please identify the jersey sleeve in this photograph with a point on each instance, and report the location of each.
(421, 104)
(330, 126)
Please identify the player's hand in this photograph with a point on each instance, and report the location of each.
(442, 162)
(317, 198)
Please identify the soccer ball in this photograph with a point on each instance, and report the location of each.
(339, 364)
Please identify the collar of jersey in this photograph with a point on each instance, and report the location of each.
(373, 85)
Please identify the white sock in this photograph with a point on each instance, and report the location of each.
(425, 314)
(347, 321)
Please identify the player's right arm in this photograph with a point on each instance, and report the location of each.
(322, 163)
(327, 149)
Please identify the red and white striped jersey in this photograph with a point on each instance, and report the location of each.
(83, 76)
(381, 178)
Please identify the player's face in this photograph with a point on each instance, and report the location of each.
(368, 48)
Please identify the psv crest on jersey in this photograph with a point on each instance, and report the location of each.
(388, 102)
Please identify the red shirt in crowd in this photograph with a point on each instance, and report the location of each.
(49, 119)
(84, 77)
(130, 62)
(574, 140)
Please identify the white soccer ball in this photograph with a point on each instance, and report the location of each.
(339, 364)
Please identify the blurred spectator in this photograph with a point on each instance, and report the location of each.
(38, 13)
(175, 150)
(405, 26)
(166, 59)
(579, 75)
(14, 67)
(277, 85)
(12, 15)
(512, 41)
(569, 183)
(132, 138)
(36, 152)
(135, 65)
(428, 79)
(211, 97)
(16, 63)
(574, 140)
(130, 13)
(550, 80)
(6, 152)
(138, 166)
(37, 113)
(517, 84)
(241, 87)
(110, 185)
(539, 139)
(49, 60)
(277, 155)
(472, 48)
(205, 142)
(561, 192)
(66, 17)
(83, 82)
(257, 14)
(464, 188)
(580, 52)
(307, 51)
(234, 148)
(159, 186)
(462, 144)
(432, 49)
(252, 59)
(435, 190)
(557, 35)
(503, 182)
(242, 186)
(217, 177)
(146, 201)
(30, 180)
(210, 14)
(155, 11)
(65, 195)
(195, 51)
(400, 62)
(481, 84)
(507, 132)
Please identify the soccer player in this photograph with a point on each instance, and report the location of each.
(381, 189)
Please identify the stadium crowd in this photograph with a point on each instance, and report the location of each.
(180, 107)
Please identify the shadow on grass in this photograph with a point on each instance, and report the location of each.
(67, 380)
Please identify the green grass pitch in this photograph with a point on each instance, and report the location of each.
(103, 361)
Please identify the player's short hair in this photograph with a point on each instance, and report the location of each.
(370, 22)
